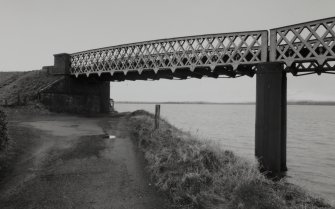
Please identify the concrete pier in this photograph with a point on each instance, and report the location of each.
(270, 133)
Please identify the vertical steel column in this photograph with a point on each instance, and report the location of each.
(270, 133)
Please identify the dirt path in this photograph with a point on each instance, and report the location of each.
(66, 162)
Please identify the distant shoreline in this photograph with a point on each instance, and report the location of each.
(323, 103)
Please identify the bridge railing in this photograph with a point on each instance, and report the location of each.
(305, 46)
(234, 49)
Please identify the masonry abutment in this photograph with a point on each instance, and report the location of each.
(75, 95)
(62, 63)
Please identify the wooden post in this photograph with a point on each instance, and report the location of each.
(270, 133)
(112, 105)
(157, 116)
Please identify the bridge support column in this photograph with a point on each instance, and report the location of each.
(271, 110)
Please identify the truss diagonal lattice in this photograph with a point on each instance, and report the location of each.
(209, 51)
(305, 47)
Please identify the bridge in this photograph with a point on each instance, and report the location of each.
(300, 49)
(303, 48)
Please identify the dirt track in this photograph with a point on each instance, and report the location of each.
(67, 162)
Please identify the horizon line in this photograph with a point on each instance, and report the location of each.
(208, 102)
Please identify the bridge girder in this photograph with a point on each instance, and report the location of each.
(303, 48)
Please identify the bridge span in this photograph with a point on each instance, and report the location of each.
(303, 48)
(300, 49)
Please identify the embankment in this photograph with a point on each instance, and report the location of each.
(6, 144)
(18, 96)
(199, 175)
(19, 88)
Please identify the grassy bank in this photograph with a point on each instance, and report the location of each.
(23, 87)
(6, 145)
(198, 175)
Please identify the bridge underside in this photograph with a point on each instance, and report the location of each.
(177, 74)
(297, 69)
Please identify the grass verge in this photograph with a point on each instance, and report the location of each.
(198, 175)
(6, 145)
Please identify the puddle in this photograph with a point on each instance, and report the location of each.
(107, 136)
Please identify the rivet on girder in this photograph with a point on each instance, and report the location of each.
(192, 68)
(289, 62)
(321, 60)
(234, 65)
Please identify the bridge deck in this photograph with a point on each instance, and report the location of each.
(302, 48)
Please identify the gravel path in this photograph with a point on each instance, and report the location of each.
(68, 162)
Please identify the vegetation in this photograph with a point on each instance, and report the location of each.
(199, 175)
(18, 88)
(5, 143)
(3, 130)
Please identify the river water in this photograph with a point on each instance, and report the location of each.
(310, 136)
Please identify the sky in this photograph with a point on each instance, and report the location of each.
(32, 31)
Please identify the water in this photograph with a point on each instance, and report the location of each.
(310, 136)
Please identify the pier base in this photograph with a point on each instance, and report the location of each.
(271, 111)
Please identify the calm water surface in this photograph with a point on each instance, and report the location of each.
(310, 136)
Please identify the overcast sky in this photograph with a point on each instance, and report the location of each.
(32, 31)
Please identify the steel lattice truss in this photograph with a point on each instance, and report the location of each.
(303, 48)
(227, 51)
(306, 47)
